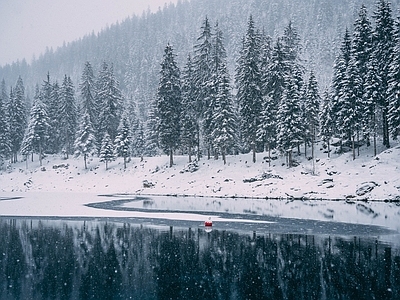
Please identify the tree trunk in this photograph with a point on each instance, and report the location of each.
(329, 148)
(254, 152)
(190, 153)
(305, 149)
(385, 128)
(223, 156)
(312, 154)
(358, 143)
(40, 153)
(84, 159)
(171, 158)
(353, 147)
(269, 155)
(124, 161)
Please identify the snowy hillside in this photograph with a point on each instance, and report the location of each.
(338, 177)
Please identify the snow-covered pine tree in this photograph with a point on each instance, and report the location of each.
(107, 150)
(223, 122)
(383, 43)
(36, 134)
(190, 134)
(202, 66)
(394, 86)
(311, 113)
(17, 118)
(151, 131)
(123, 140)
(87, 88)
(249, 86)
(139, 140)
(85, 142)
(289, 123)
(340, 83)
(110, 101)
(326, 121)
(53, 109)
(358, 67)
(67, 116)
(373, 83)
(5, 147)
(169, 104)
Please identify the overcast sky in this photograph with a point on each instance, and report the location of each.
(29, 26)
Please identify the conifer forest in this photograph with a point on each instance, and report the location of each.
(210, 79)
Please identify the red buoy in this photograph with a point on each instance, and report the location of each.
(208, 223)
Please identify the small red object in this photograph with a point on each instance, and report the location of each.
(208, 223)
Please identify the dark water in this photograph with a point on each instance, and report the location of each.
(59, 259)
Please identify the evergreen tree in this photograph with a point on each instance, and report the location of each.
(123, 140)
(110, 99)
(85, 142)
(190, 127)
(36, 134)
(67, 116)
(383, 44)
(340, 83)
(53, 109)
(249, 86)
(151, 131)
(5, 147)
(223, 122)
(139, 141)
(169, 104)
(17, 118)
(202, 62)
(289, 124)
(312, 102)
(394, 87)
(326, 121)
(107, 150)
(87, 89)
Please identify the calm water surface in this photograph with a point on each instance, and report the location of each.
(98, 259)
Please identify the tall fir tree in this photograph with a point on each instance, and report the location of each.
(87, 88)
(394, 87)
(67, 116)
(36, 134)
(326, 121)
(53, 110)
(383, 43)
(169, 104)
(85, 142)
(110, 101)
(123, 140)
(289, 122)
(5, 146)
(202, 66)
(190, 134)
(17, 118)
(249, 86)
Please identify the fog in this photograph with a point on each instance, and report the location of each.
(28, 27)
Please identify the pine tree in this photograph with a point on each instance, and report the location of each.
(87, 89)
(394, 87)
(5, 146)
(123, 140)
(139, 141)
(85, 142)
(53, 109)
(202, 66)
(107, 150)
(190, 127)
(110, 100)
(383, 44)
(36, 134)
(289, 123)
(151, 131)
(249, 85)
(169, 104)
(312, 102)
(67, 116)
(223, 122)
(17, 118)
(326, 121)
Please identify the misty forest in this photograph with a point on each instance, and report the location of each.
(211, 78)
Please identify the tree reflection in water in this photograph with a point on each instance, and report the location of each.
(99, 260)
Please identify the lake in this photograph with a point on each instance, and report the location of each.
(88, 258)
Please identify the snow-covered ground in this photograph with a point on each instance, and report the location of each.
(62, 187)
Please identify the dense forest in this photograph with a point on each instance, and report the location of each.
(233, 77)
